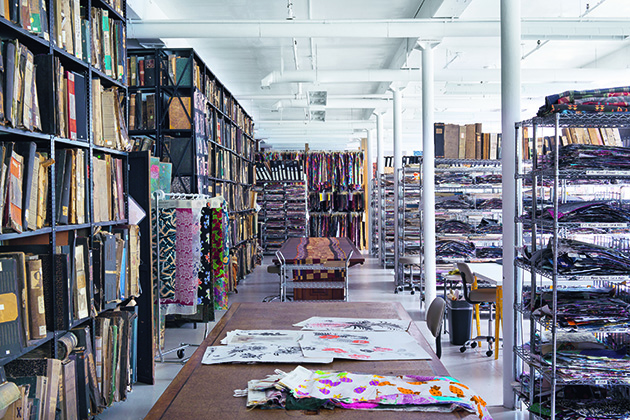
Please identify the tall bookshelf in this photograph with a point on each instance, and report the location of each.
(69, 88)
(182, 112)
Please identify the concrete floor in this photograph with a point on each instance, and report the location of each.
(368, 283)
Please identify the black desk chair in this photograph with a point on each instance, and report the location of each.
(476, 296)
(434, 317)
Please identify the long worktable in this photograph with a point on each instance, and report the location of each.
(205, 391)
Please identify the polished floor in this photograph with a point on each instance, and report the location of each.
(368, 283)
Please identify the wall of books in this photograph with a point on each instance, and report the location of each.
(182, 113)
(454, 141)
(335, 185)
(68, 256)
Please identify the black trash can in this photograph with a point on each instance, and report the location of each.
(459, 314)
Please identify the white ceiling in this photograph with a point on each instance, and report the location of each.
(241, 63)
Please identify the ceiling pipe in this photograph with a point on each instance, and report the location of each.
(447, 75)
(450, 89)
(408, 102)
(424, 29)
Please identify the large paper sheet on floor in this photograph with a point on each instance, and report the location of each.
(260, 353)
(285, 337)
(362, 346)
(318, 323)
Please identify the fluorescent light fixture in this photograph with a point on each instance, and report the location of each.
(317, 97)
(317, 115)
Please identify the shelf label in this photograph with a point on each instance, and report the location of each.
(603, 225)
(613, 173)
(601, 382)
(593, 278)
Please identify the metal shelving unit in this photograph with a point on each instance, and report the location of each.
(548, 180)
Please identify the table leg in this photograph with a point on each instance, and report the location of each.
(498, 320)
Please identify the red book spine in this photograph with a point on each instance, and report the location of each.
(141, 71)
(72, 108)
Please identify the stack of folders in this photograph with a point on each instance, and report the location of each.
(108, 122)
(24, 179)
(108, 174)
(71, 186)
(116, 260)
(19, 102)
(83, 380)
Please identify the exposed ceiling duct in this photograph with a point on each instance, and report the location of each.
(446, 75)
(425, 29)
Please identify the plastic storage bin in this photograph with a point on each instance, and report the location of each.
(459, 313)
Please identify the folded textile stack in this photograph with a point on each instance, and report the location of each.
(594, 100)
(488, 179)
(490, 204)
(489, 226)
(589, 212)
(590, 156)
(582, 259)
(492, 252)
(454, 178)
(454, 249)
(303, 389)
(454, 226)
(585, 309)
(454, 202)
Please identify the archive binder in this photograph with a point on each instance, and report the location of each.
(9, 309)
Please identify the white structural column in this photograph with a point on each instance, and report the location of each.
(397, 166)
(380, 167)
(510, 114)
(428, 173)
(370, 174)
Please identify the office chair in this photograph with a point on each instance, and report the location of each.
(434, 317)
(476, 296)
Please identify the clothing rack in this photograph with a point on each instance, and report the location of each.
(175, 200)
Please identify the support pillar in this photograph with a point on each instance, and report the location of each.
(510, 114)
(368, 194)
(428, 173)
(380, 167)
(397, 167)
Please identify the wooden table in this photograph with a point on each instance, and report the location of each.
(205, 391)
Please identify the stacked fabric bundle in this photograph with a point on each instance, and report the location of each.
(487, 226)
(584, 308)
(446, 248)
(589, 212)
(303, 389)
(582, 259)
(454, 226)
(454, 178)
(454, 202)
(490, 204)
(488, 179)
(489, 253)
(590, 156)
(594, 100)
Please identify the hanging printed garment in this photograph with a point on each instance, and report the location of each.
(164, 267)
(205, 289)
(183, 297)
(220, 259)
